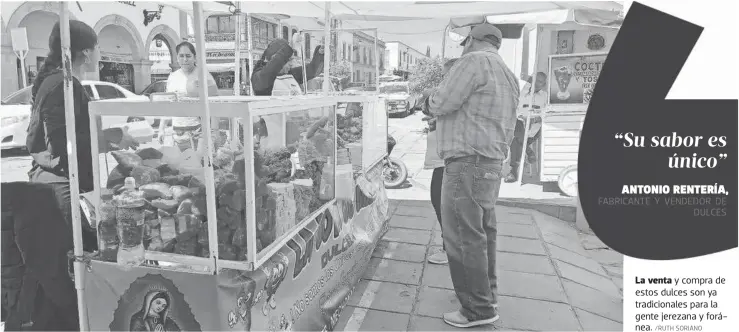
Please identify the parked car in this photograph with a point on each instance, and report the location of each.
(398, 98)
(156, 87)
(15, 111)
(390, 78)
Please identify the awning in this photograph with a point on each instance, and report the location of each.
(221, 67)
(400, 10)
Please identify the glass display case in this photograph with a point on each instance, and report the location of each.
(293, 166)
(175, 201)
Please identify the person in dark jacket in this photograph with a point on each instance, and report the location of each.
(47, 139)
(47, 135)
(278, 69)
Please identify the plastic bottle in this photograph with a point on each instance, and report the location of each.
(326, 191)
(107, 227)
(130, 217)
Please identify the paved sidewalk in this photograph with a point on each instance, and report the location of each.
(551, 277)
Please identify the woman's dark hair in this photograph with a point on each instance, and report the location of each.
(188, 45)
(81, 37)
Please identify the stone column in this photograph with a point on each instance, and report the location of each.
(183, 27)
(142, 74)
(9, 68)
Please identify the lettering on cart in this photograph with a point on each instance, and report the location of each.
(302, 245)
(302, 303)
(318, 232)
(337, 250)
(325, 226)
(361, 199)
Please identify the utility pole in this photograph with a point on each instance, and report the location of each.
(237, 51)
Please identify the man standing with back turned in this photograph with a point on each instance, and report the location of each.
(476, 109)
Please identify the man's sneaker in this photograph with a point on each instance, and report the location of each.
(439, 258)
(511, 178)
(456, 319)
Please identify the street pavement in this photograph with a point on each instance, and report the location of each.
(551, 277)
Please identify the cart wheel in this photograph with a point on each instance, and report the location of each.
(568, 181)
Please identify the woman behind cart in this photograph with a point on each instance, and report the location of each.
(186, 82)
(55, 300)
(279, 73)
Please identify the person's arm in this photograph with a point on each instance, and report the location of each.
(523, 101)
(212, 86)
(163, 120)
(456, 88)
(264, 78)
(53, 113)
(312, 69)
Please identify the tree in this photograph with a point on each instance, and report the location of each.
(340, 69)
(428, 51)
(425, 75)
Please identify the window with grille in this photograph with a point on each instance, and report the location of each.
(220, 24)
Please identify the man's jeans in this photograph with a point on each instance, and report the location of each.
(469, 228)
(517, 144)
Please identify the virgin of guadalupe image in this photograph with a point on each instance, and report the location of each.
(153, 314)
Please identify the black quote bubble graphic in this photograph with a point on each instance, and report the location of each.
(628, 102)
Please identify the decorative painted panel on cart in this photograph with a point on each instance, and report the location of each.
(572, 78)
(304, 286)
(147, 299)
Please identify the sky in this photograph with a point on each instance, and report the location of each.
(417, 34)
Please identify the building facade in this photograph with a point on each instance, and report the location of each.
(220, 44)
(401, 58)
(353, 47)
(125, 37)
(365, 57)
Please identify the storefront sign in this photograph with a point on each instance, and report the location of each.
(229, 55)
(116, 58)
(303, 287)
(572, 78)
(158, 56)
(221, 54)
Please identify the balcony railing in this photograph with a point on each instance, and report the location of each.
(220, 37)
(259, 42)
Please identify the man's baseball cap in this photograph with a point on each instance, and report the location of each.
(485, 32)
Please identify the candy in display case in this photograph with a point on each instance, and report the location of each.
(361, 131)
(159, 204)
(294, 167)
(176, 200)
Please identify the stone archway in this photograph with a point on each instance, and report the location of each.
(31, 6)
(38, 18)
(120, 41)
(165, 33)
(170, 39)
(137, 45)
